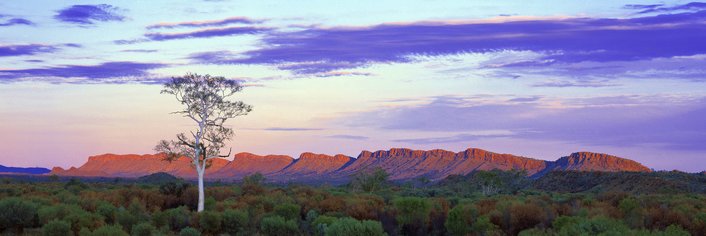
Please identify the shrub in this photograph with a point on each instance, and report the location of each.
(595, 226)
(188, 231)
(370, 181)
(56, 228)
(106, 210)
(352, 227)
(674, 230)
(277, 225)
(412, 214)
(16, 213)
(110, 230)
(210, 222)
(126, 219)
(235, 221)
(83, 219)
(175, 218)
(143, 229)
(288, 210)
(321, 223)
(460, 219)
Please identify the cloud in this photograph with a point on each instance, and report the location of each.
(290, 129)
(109, 72)
(448, 139)
(139, 50)
(658, 8)
(560, 41)
(346, 136)
(25, 49)
(89, 14)
(15, 21)
(207, 33)
(658, 121)
(222, 22)
(575, 84)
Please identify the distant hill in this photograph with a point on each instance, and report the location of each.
(23, 170)
(400, 163)
(159, 177)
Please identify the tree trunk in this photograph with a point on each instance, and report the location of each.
(201, 193)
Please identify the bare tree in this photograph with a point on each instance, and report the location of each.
(205, 101)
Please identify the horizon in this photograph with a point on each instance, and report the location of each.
(624, 78)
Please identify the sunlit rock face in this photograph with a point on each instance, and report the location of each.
(400, 163)
(130, 165)
(247, 163)
(403, 163)
(311, 165)
(589, 161)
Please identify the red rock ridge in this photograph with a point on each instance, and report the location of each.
(113, 165)
(400, 163)
(403, 163)
(311, 165)
(589, 161)
(247, 163)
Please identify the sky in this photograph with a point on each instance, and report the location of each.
(540, 79)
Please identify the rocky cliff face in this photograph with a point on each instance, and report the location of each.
(247, 163)
(112, 165)
(589, 161)
(400, 163)
(311, 166)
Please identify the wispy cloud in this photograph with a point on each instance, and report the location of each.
(559, 41)
(89, 14)
(207, 33)
(448, 139)
(139, 50)
(658, 121)
(290, 129)
(575, 83)
(207, 23)
(346, 136)
(14, 21)
(25, 49)
(660, 8)
(109, 72)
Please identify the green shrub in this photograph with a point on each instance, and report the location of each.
(352, 227)
(277, 225)
(143, 229)
(210, 222)
(83, 219)
(235, 221)
(188, 231)
(584, 226)
(106, 210)
(412, 210)
(460, 219)
(321, 223)
(110, 230)
(175, 218)
(288, 210)
(17, 214)
(674, 230)
(126, 219)
(56, 228)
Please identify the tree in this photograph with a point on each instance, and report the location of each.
(206, 102)
(370, 180)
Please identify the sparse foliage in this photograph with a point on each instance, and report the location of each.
(206, 103)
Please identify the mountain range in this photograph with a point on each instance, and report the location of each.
(23, 170)
(400, 163)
